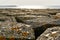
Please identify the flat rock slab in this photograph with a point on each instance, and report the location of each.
(4, 18)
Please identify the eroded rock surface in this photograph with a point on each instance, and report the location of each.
(28, 24)
(17, 31)
(50, 34)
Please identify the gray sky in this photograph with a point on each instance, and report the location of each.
(31, 2)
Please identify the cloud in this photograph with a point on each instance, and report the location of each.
(31, 2)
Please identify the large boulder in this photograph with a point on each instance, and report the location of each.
(35, 21)
(50, 34)
(17, 31)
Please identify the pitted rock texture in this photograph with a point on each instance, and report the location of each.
(17, 30)
(27, 24)
(50, 34)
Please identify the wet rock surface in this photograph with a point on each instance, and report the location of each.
(28, 24)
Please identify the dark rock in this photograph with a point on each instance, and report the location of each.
(35, 21)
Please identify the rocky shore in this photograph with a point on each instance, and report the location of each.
(29, 24)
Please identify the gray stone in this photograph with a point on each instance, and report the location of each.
(50, 34)
(4, 18)
(18, 30)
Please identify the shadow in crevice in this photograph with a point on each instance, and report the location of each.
(19, 20)
(39, 30)
(52, 13)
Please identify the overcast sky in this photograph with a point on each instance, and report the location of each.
(31, 2)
